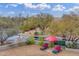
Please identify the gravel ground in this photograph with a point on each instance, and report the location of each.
(34, 50)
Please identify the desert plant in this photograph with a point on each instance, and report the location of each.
(41, 38)
(72, 45)
(68, 45)
(40, 33)
(40, 43)
(30, 41)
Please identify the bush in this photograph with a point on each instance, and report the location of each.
(38, 33)
(68, 45)
(30, 41)
(11, 32)
(40, 43)
(41, 39)
(72, 45)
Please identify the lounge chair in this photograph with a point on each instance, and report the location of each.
(44, 47)
(56, 49)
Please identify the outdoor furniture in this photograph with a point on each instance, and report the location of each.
(60, 42)
(56, 49)
(51, 39)
(45, 46)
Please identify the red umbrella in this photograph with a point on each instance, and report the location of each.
(51, 38)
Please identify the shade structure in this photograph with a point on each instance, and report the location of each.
(51, 38)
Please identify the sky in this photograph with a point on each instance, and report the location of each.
(55, 9)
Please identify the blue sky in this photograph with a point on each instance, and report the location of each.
(56, 9)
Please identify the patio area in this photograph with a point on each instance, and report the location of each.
(34, 50)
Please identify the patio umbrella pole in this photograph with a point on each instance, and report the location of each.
(51, 44)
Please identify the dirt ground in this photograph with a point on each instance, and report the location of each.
(33, 50)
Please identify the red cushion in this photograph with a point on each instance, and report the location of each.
(57, 47)
(45, 45)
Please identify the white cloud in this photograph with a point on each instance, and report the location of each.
(39, 1)
(23, 12)
(73, 9)
(34, 13)
(11, 12)
(43, 6)
(19, 3)
(13, 5)
(58, 8)
(30, 5)
(38, 6)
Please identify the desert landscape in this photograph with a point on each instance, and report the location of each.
(39, 29)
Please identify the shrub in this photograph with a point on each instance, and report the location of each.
(68, 45)
(11, 32)
(41, 39)
(30, 41)
(72, 45)
(40, 43)
(40, 33)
